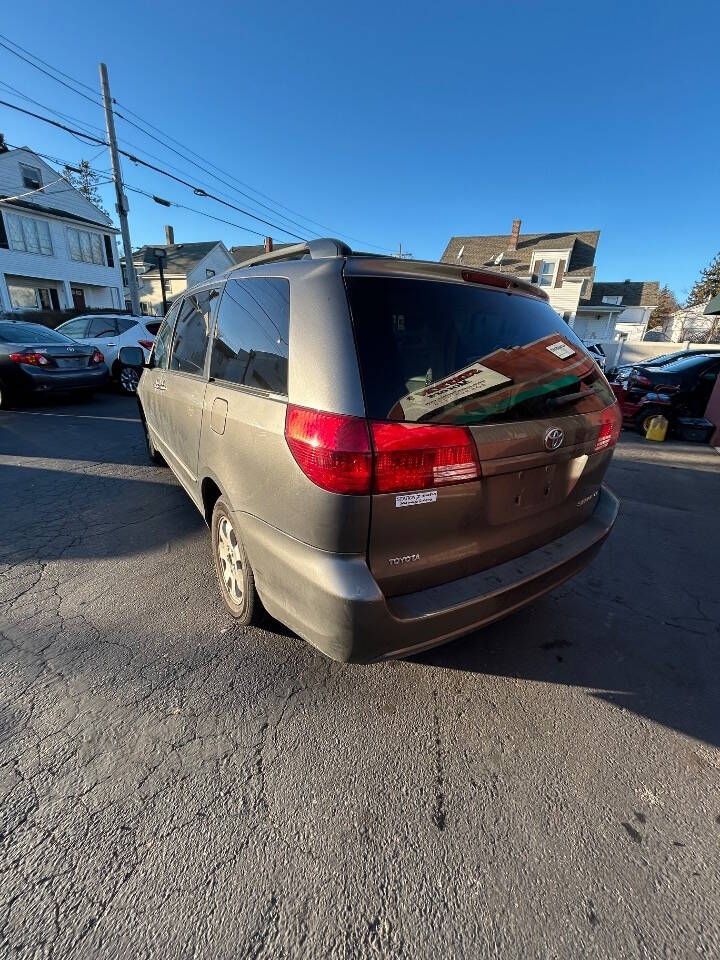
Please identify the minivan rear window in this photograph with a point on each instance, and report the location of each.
(451, 352)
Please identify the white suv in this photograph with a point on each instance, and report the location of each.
(109, 332)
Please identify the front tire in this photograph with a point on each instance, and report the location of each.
(157, 458)
(234, 573)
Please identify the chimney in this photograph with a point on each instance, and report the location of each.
(512, 245)
(268, 245)
(169, 235)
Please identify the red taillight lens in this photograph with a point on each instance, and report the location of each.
(33, 359)
(332, 450)
(96, 358)
(609, 429)
(148, 344)
(410, 456)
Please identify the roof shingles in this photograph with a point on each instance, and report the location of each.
(481, 251)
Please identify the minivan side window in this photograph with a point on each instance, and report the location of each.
(250, 346)
(192, 332)
(161, 348)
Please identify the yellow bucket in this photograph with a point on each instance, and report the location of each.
(657, 429)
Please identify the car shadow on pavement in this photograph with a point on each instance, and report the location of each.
(640, 627)
(92, 511)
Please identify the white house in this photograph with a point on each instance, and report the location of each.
(563, 264)
(694, 324)
(627, 305)
(57, 250)
(184, 265)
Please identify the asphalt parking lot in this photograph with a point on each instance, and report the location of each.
(173, 785)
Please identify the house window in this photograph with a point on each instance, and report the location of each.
(109, 251)
(612, 300)
(546, 272)
(209, 273)
(124, 274)
(23, 298)
(31, 236)
(31, 176)
(84, 246)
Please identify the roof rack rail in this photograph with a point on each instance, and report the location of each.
(315, 249)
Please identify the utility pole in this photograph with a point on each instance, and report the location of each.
(122, 206)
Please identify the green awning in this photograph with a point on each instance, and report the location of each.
(713, 306)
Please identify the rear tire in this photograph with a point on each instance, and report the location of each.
(642, 419)
(6, 398)
(128, 379)
(234, 573)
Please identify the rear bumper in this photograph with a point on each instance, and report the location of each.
(32, 379)
(333, 602)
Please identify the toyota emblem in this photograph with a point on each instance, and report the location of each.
(553, 438)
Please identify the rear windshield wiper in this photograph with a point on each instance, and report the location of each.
(568, 398)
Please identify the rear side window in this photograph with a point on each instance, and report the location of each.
(102, 327)
(250, 346)
(124, 324)
(192, 332)
(456, 353)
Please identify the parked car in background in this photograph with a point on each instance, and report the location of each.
(678, 387)
(35, 359)
(597, 353)
(623, 371)
(389, 453)
(109, 332)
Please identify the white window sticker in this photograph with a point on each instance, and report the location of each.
(468, 382)
(411, 499)
(561, 350)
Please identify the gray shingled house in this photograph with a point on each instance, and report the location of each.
(564, 265)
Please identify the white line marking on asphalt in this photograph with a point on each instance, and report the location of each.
(77, 416)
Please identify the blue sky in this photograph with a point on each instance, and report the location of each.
(408, 122)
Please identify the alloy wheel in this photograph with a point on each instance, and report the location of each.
(129, 379)
(231, 561)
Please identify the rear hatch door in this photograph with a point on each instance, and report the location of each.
(503, 370)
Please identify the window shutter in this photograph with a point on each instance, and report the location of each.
(109, 251)
(3, 235)
(560, 273)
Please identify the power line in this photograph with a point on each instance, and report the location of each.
(188, 159)
(151, 166)
(47, 73)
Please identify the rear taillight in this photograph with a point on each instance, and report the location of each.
(148, 344)
(332, 450)
(335, 452)
(415, 456)
(31, 358)
(609, 429)
(96, 358)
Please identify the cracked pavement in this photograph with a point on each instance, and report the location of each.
(173, 785)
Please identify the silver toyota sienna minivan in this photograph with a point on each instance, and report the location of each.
(388, 453)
